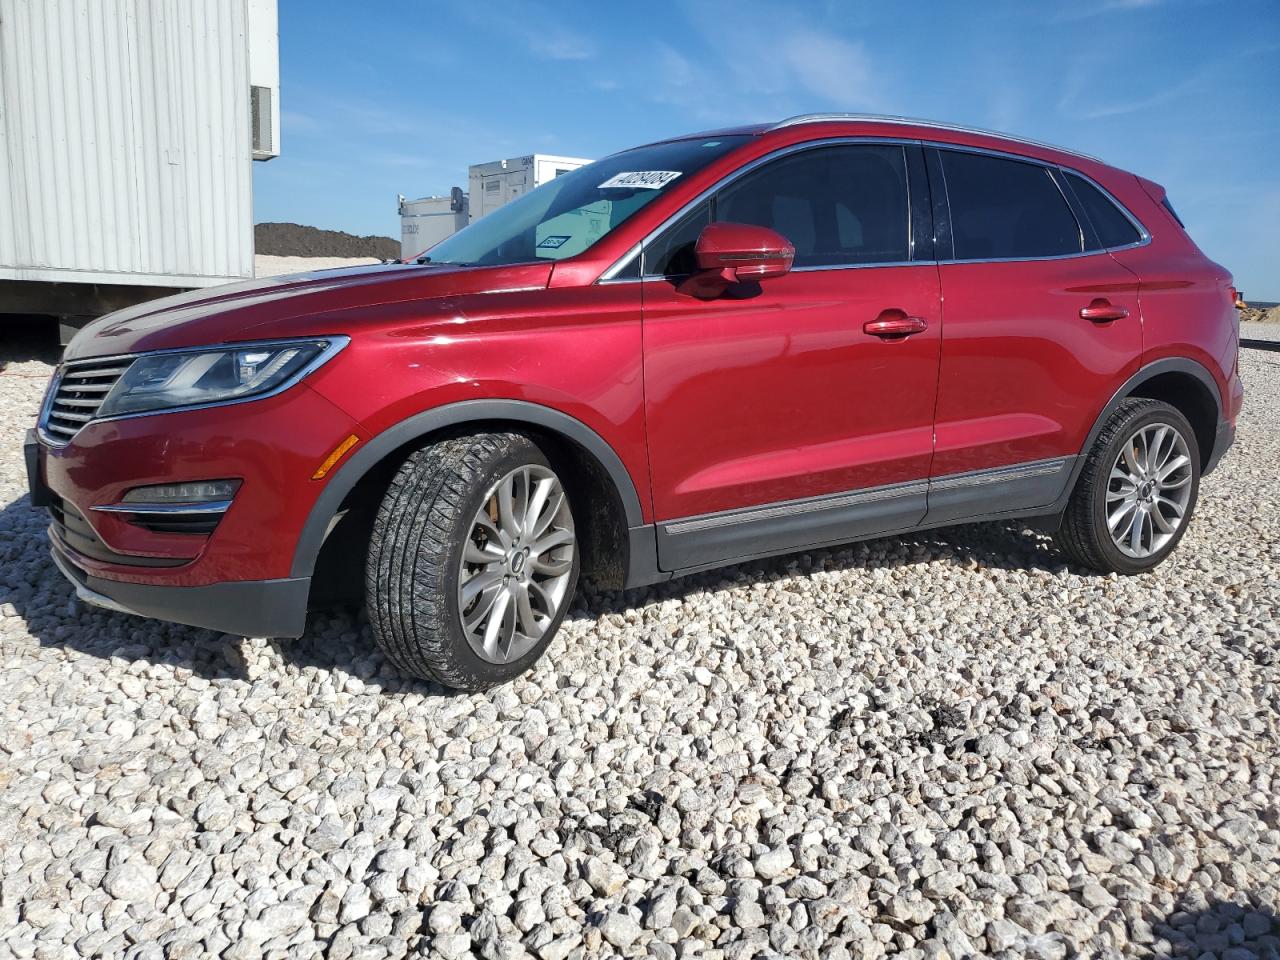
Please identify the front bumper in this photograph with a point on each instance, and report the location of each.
(247, 608)
(237, 580)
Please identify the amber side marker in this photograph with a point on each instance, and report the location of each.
(338, 453)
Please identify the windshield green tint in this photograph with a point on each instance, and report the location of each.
(566, 216)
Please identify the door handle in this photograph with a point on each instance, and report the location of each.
(1101, 311)
(895, 325)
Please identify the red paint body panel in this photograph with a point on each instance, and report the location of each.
(710, 405)
(273, 445)
(575, 349)
(782, 395)
(1024, 377)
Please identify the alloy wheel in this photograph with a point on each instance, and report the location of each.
(516, 564)
(1148, 490)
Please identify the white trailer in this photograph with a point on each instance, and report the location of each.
(127, 134)
(427, 221)
(501, 181)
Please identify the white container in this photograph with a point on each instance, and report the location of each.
(126, 142)
(425, 222)
(501, 181)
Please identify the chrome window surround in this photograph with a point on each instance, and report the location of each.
(611, 274)
(1054, 169)
(336, 343)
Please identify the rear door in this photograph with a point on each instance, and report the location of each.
(1041, 327)
(774, 419)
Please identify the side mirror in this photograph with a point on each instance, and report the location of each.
(729, 253)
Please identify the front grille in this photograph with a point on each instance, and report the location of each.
(72, 530)
(78, 392)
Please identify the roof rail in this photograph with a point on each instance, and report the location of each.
(915, 121)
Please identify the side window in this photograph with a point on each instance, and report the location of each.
(1113, 228)
(839, 206)
(1006, 209)
(671, 254)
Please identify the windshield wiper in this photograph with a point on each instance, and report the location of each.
(441, 263)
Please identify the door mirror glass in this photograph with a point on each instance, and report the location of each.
(730, 253)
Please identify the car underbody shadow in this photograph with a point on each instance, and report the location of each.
(997, 545)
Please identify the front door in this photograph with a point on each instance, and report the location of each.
(774, 420)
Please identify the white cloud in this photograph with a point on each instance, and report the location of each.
(746, 62)
(1085, 11)
(833, 69)
(560, 43)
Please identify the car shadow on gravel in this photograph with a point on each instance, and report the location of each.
(32, 589)
(1200, 926)
(991, 546)
(339, 638)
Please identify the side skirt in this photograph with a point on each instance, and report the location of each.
(697, 543)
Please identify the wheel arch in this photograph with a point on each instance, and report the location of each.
(1180, 382)
(563, 435)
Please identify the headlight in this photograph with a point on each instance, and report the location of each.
(161, 381)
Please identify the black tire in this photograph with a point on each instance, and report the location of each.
(415, 557)
(1084, 535)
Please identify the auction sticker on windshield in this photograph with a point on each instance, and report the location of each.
(640, 179)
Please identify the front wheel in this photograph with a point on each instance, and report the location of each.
(473, 560)
(1136, 492)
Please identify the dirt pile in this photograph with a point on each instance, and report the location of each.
(295, 240)
(1260, 314)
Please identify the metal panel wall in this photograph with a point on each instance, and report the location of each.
(124, 141)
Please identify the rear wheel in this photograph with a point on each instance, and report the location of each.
(473, 560)
(1136, 493)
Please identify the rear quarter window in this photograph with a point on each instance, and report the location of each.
(1112, 227)
(1172, 212)
(1004, 209)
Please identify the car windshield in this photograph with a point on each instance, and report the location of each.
(570, 213)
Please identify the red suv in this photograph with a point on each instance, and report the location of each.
(689, 354)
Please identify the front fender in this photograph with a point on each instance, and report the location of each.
(406, 431)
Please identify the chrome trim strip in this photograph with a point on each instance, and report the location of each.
(1019, 471)
(169, 509)
(792, 507)
(336, 344)
(91, 597)
(787, 508)
(918, 122)
(859, 266)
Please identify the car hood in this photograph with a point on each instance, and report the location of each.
(300, 304)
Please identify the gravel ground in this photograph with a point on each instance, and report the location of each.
(938, 746)
(1260, 331)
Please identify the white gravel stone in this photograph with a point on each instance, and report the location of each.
(619, 929)
(774, 863)
(948, 744)
(132, 881)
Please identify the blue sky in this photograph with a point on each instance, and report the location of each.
(381, 99)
